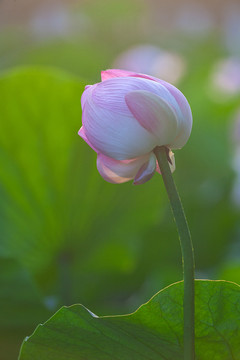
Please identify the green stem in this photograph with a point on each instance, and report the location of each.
(161, 153)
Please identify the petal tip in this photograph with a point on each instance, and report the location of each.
(146, 171)
(113, 73)
(81, 133)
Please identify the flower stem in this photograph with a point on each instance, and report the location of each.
(161, 153)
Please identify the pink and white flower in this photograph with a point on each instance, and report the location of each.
(126, 116)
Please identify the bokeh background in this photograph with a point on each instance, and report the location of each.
(66, 236)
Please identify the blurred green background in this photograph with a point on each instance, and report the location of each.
(66, 236)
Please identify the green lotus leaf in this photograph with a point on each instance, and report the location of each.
(153, 332)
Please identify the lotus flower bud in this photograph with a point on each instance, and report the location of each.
(126, 116)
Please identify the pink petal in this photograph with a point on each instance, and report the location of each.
(85, 94)
(185, 127)
(109, 124)
(119, 171)
(186, 124)
(178, 95)
(154, 114)
(110, 94)
(146, 171)
(113, 73)
(115, 135)
(83, 135)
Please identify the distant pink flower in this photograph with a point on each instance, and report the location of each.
(154, 61)
(225, 79)
(126, 116)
